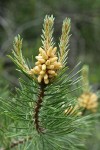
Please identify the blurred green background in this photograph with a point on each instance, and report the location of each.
(26, 18)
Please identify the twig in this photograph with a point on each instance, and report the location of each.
(16, 143)
(37, 108)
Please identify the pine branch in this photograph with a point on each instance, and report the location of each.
(44, 96)
(85, 78)
(16, 143)
(88, 100)
(18, 58)
(47, 38)
(37, 108)
(64, 40)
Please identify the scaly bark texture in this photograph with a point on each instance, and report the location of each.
(16, 143)
(37, 108)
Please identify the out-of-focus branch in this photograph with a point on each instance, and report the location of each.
(16, 143)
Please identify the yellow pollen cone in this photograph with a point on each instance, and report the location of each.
(57, 65)
(40, 50)
(43, 67)
(53, 59)
(45, 76)
(43, 53)
(52, 55)
(37, 63)
(37, 69)
(39, 78)
(50, 67)
(51, 72)
(49, 51)
(47, 62)
(38, 57)
(40, 66)
(46, 81)
(32, 71)
(88, 101)
(41, 60)
(42, 72)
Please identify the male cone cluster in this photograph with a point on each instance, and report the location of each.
(88, 101)
(47, 65)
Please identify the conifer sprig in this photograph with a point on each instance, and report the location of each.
(47, 32)
(38, 110)
(47, 64)
(64, 40)
(85, 78)
(17, 57)
(88, 99)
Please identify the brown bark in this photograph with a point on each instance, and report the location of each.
(37, 108)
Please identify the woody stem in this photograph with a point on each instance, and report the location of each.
(37, 108)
